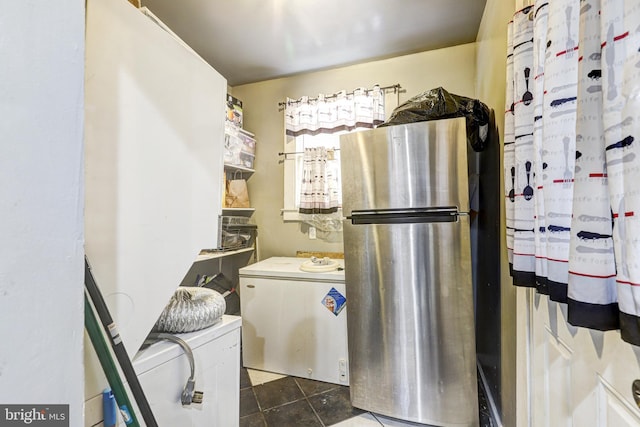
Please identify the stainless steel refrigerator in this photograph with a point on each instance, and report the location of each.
(408, 272)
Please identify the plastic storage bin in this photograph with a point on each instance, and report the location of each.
(239, 147)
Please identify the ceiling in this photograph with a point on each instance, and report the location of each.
(255, 40)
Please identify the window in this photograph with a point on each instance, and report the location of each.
(312, 141)
(294, 166)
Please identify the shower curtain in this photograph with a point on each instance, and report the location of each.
(571, 168)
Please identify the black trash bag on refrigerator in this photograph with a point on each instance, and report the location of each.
(440, 104)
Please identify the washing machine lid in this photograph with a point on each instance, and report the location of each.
(289, 268)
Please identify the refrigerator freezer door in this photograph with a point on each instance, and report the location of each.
(406, 166)
(410, 326)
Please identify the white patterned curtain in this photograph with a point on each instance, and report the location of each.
(319, 189)
(328, 114)
(341, 111)
(571, 164)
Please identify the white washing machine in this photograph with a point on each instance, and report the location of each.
(163, 370)
(294, 322)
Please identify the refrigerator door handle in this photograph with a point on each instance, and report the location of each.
(404, 216)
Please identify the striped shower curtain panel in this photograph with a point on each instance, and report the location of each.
(540, 17)
(523, 203)
(592, 295)
(572, 174)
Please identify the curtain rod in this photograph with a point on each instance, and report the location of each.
(396, 89)
(291, 153)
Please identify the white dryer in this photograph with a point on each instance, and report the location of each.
(294, 322)
(163, 369)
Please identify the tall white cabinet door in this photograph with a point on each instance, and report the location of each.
(153, 158)
(154, 137)
(580, 377)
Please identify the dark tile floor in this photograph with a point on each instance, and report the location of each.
(299, 402)
(293, 401)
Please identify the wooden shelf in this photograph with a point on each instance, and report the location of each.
(203, 256)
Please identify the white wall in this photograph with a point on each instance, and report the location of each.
(41, 193)
(452, 68)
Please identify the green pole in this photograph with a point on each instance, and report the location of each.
(109, 368)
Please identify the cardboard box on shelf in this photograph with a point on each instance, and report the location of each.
(234, 111)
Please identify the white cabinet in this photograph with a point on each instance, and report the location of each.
(286, 325)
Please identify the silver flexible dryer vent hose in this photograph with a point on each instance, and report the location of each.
(191, 309)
